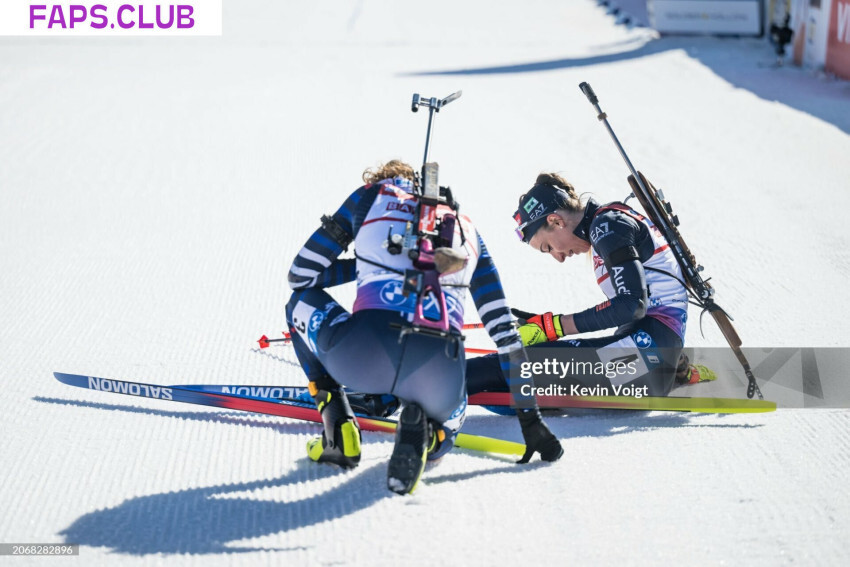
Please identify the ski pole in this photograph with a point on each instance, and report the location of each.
(265, 342)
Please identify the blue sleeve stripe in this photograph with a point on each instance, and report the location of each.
(492, 315)
(482, 247)
(308, 270)
(304, 263)
(484, 271)
(487, 289)
(338, 273)
(345, 217)
(507, 341)
(365, 201)
(347, 214)
(324, 241)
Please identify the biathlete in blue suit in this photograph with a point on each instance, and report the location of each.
(368, 348)
(647, 302)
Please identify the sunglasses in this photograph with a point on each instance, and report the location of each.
(522, 226)
(578, 231)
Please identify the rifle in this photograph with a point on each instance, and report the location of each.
(660, 212)
(428, 239)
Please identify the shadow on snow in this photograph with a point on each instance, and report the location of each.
(745, 63)
(206, 520)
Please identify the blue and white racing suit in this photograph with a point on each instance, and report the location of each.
(363, 349)
(647, 303)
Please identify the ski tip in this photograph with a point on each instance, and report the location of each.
(67, 378)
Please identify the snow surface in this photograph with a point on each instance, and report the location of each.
(156, 190)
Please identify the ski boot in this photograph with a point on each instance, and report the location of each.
(373, 405)
(407, 462)
(340, 441)
(687, 373)
(441, 441)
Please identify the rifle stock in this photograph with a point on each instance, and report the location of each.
(659, 212)
(729, 332)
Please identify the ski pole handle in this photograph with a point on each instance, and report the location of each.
(588, 92)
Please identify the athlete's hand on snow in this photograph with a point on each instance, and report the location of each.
(535, 329)
(537, 437)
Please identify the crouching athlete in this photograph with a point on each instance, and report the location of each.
(366, 349)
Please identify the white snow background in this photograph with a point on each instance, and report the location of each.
(154, 192)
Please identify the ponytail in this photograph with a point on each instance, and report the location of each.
(572, 202)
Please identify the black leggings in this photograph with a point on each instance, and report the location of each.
(648, 347)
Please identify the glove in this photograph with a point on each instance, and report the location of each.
(537, 437)
(535, 329)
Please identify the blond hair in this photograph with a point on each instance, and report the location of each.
(389, 170)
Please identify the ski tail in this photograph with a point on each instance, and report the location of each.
(646, 403)
(290, 408)
(699, 405)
